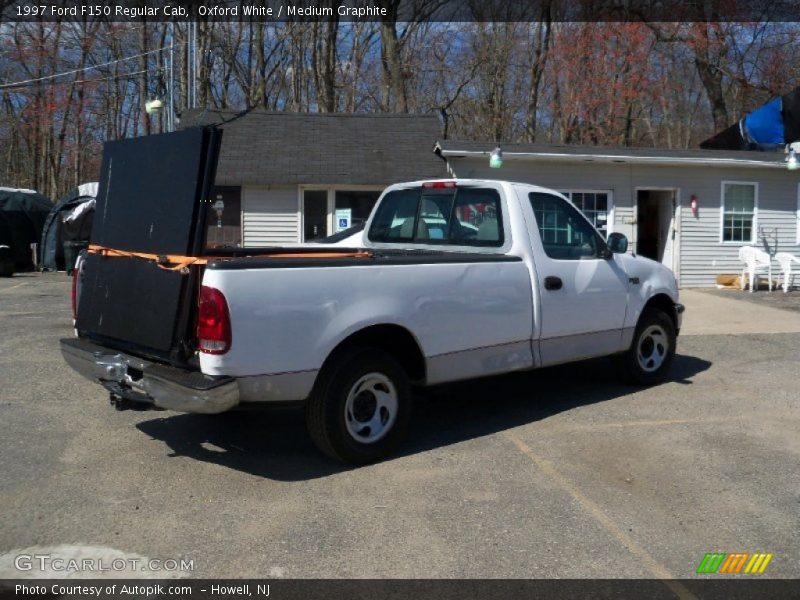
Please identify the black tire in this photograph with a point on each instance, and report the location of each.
(345, 400)
(655, 329)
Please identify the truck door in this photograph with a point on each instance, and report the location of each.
(583, 294)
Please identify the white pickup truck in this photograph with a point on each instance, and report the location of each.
(455, 279)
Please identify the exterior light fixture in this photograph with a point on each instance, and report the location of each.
(153, 107)
(791, 160)
(218, 207)
(496, 158)
(694, 205)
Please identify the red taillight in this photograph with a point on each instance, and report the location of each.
(213, 322)
(439, 185)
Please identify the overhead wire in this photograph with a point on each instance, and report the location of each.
(27, 82)
(96, 79)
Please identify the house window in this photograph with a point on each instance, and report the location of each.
(356, 204)
(596, 207)
(326, 211)
(739, 202)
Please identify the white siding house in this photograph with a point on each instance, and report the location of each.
(285, 178)
(741, 197)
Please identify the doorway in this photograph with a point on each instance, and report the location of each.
(655, 229)
(315, 215)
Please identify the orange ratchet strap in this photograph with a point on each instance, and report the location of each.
(177, 262)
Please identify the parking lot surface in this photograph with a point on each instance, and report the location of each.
(777, 298)
(558, 473)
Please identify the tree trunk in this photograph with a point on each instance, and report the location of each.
(712, 82)
(326, 63)
(542, 44)
(394, 81)
(205, 36)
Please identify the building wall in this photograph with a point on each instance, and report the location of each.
(701, 254)
(270, 215)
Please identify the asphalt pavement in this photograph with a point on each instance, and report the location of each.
(558, 473)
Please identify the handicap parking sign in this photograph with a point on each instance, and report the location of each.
(344, 217)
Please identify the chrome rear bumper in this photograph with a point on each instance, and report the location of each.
(150, 383)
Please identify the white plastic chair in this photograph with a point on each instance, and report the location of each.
(755, 261)
(785, 261)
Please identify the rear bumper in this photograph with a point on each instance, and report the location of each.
(150, 383)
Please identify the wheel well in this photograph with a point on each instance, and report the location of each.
(392, 339)
(665, 304)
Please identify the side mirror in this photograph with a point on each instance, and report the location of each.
(617, 243)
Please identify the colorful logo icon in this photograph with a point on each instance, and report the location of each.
(734, 562)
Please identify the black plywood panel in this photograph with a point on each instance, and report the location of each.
(727, 139)
(130, 300)
(150, 192)
(152, 198)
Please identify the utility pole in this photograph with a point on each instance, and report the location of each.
(191, 64)
(171, 79)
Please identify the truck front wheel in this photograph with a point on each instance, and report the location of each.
(360, 406)
(650, 356)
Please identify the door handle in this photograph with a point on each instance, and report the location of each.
(553, 283)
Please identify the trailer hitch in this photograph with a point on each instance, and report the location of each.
(124, 398)
(120, 403)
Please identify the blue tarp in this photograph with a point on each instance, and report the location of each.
(764, 126)
(768, 127)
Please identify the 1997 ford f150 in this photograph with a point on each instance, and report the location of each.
(456, 279)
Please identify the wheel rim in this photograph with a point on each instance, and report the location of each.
(652, 348)
(371, 408)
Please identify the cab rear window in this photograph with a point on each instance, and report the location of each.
(463, 216)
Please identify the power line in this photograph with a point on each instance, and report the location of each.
(89, 68)
(96, 79)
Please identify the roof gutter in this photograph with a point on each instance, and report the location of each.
(613, 158)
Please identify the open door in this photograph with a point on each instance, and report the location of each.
(655, 229)
(153, 198)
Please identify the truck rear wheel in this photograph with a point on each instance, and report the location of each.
(650, 356)
(360, 406)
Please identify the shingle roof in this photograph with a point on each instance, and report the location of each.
(315, 148)
(452, 148)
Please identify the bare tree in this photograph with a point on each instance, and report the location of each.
(393, 46)
(324, 60)
(67, 87)
(541, 47)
